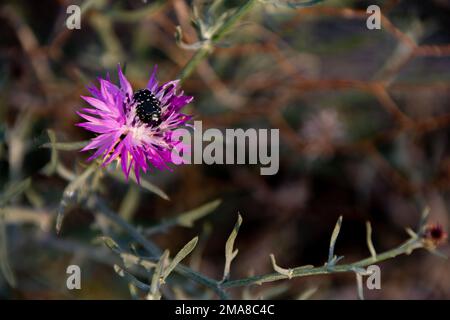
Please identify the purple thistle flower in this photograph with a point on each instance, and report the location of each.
(135, 128)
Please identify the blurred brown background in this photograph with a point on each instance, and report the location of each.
(364, 119)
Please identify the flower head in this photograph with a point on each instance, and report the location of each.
(135, 127)
(434, 235)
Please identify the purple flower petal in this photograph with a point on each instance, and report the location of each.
(153, 83)
(124, 84)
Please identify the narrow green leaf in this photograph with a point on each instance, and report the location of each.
(230, 253)
(373, 253)
(183, 253)
(337, 228)
(157, 277)
(65, 146)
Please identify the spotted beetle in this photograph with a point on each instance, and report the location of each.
(148, 107)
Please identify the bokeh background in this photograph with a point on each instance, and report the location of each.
(364, 119)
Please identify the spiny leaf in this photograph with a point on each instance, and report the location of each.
(154, 293)
(286, 272)
(337, 228)
(373, 253)
(183, 253)
(230, 253)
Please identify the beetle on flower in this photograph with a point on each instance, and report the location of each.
(135, 128)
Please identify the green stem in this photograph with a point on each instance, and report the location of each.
(199, 55)
(219, 288)
(405, 248)
(208, 48)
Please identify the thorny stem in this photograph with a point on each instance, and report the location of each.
(219, 288)
(208, 47)
(405, 248)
